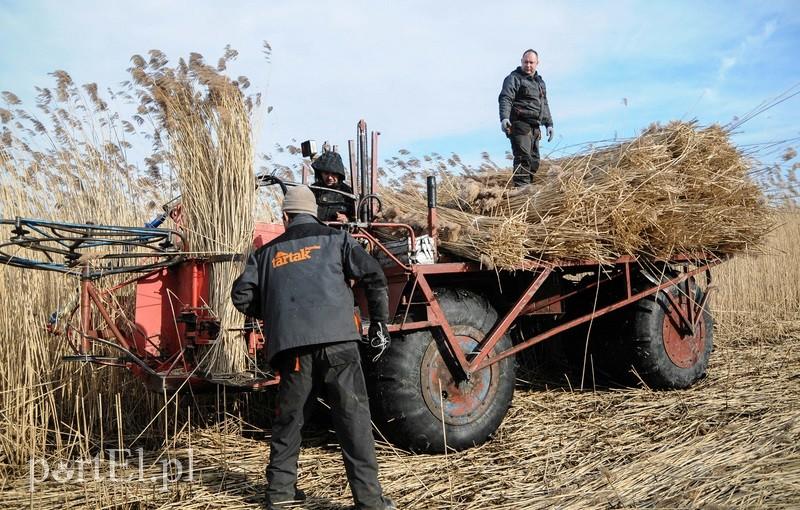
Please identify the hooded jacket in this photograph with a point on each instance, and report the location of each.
(298, 285)
(524, 97)
(330, 203)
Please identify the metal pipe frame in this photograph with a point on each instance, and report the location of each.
(483, 362)
(373, 173)
(362, 165)
(479, 359)
(351, 150)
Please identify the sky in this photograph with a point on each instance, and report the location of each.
(427, 74)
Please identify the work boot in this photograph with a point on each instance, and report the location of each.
(299, 498)
(388, 504)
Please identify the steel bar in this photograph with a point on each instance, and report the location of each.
(440, 320)
(487, 344)
(580, 320)
(107, 317)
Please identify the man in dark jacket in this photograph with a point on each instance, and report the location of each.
(523, 110)
(329, 173)
(298, 284)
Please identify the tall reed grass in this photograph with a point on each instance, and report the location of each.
(65, 159)
(758, 295)
(74, 157)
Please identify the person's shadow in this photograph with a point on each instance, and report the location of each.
(240, 487)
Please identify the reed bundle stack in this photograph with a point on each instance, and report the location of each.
(674, 189)
(208, 142)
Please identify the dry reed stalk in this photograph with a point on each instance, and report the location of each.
(209, 143)
(66, 159)
(758, 295)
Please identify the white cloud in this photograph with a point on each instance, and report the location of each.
(750, 44)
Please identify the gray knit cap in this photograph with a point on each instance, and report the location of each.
(300, 199)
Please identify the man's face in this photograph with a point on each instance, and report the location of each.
(529, 63)
(329, 178)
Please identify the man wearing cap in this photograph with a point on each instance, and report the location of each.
(298, 285)
(329, 173)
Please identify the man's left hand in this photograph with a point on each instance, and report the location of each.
(549, 133)
(341, 218)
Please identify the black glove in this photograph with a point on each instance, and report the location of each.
(378, 337)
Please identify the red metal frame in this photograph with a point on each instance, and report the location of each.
(480, 359)
(172, 315)
(143, 355)
(480, 362)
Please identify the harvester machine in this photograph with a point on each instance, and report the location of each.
(447, 378)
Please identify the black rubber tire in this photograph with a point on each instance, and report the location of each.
(397, 383)
(649, 355)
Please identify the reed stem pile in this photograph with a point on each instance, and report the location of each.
(674, 189)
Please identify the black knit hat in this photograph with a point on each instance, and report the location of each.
(329, 162)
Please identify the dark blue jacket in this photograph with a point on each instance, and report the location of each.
(524, 97)
(298, 284)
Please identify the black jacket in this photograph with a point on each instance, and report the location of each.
(330, 203)
(524, 97)
(298, 285)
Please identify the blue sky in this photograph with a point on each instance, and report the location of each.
(427, 74)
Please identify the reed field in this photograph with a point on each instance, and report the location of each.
(730, 441)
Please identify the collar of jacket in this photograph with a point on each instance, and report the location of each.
(520, 72)
(302, 219)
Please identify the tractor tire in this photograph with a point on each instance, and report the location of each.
(415, 401)
(663, 353)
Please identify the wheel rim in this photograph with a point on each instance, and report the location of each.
(464, 402)
(684, 347)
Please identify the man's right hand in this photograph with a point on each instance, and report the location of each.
(505, 126)
(378, 337)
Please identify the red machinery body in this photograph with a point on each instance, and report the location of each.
(172, 317)
(164, 295)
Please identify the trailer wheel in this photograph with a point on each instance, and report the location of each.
(667, 352)
(415, 400)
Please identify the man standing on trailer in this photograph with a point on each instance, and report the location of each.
(298, 285)
(523, 112)
(329, 173)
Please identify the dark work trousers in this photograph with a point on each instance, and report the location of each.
(337, 369)
(524, 138)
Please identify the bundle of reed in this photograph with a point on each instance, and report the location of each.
(673, 189)
(208, 142)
